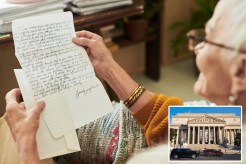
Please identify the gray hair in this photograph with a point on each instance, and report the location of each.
(235, 25)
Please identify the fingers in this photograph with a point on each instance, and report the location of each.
(82, 41)
(22, 106)
(13, 96)
(85, 34)
(37, 109)
(5, 116)
(12, 108)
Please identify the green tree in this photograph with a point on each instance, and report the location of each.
(237, 140)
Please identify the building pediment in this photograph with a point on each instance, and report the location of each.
(206, 120)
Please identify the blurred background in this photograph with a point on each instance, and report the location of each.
(147, 38)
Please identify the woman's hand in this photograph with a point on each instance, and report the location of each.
(104, 64)
(23, 125)
(100, 57)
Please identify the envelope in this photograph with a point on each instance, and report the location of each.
(48, 145)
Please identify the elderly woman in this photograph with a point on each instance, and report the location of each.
(221, 60)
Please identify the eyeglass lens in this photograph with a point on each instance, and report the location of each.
(195, 37)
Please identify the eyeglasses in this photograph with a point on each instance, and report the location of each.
(198, 35)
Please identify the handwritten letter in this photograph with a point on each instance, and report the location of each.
(59, 72)
(52, 63)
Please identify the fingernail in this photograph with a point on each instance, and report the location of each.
(74, 38)
(42, 103)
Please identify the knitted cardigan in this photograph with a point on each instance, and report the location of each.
(118, 135)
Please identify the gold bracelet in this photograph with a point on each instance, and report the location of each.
(131, 96)
(134, 96)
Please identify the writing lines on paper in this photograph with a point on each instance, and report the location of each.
(88, 102)
(57, 114)
(47, 145)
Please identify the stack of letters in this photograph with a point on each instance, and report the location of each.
(84, 7)
(9, 11)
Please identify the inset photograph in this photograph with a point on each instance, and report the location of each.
(207, 133)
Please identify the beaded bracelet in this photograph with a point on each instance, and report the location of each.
(134, 96)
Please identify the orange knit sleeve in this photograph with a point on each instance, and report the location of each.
(153, 118)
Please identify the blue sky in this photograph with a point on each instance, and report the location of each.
(210, 109)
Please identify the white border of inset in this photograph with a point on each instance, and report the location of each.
(193, 161)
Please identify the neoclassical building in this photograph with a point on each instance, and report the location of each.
(205, 128)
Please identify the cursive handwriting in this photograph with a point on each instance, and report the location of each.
(51, 62)
(85, 91)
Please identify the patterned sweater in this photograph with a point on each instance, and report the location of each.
(110, 139)
(118, 135)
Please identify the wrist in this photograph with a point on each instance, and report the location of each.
(119, 80)
(27, 148)
(27, 143)
(108, 68)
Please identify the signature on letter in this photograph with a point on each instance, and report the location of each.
(85, 91)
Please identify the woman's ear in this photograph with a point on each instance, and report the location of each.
(238, 89)
(238, 74)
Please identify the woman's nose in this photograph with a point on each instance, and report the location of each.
(198, 47)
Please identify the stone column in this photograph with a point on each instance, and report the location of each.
(214, 136)
(223, 134)
(193, 135)
(177, 139)
(220, 136)
(229, 131)
(188, 135)
(198, 135)
(203, 132)
(227, 136)
(232, 136)
(209, 135)
(235, 134)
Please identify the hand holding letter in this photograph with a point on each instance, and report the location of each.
(23, 125)
(99, 54)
